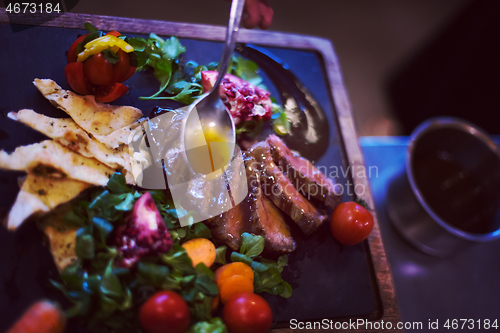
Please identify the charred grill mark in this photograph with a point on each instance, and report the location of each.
(48, 171)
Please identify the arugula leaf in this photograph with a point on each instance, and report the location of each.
(117, 184)
(177, 258)
(110, 284)
(171, 48)
(206, 285)
(245, 69)
(220, 256)
(103, 228)
(363, 203)
(214, 325)
(90, 28)
(152, 274)
(128, 201)
(197, 230)
(163, 57)
(267, 273)
(288, 290)
(139, 44)
(188, 92)
(81, 301)
(163, 72)
(84, 247)
(202, 269)
(251, 245)
(235, 256)
(75, 217)
(110, 56)
(280, 121)
(270, 278)
(282, 262)
(72, 275)
(250, 127)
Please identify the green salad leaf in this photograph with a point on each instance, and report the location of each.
(251, 245)
(178, 82)
(220, 256)
(105, 295)
(280, 121)
(267, 273)
(246, 69)
(214, 325)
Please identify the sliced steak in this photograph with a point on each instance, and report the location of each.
(227, 227)
(280, 190)
(306, 178)
(266, 219)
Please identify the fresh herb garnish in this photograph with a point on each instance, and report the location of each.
(280, 121)
(267, 273)
(363, 203)
(163, 56)
(181, 81)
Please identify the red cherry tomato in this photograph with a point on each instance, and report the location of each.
(164, 312)
(114, 33)
(98, 70)
(96, 76)
(71, 57)
(130, 72)
(121, 68)
(76, 79)
(351, 223)
(247, 313)
(109, 93)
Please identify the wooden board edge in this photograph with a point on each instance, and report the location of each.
(356, 160)
(277, 39)
(186, 30)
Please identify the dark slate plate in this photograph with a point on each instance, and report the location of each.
(329, 280)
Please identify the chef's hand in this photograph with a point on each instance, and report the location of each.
(257, 13)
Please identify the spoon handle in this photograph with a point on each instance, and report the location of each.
(231, 35)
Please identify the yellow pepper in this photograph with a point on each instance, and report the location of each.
(103, 43)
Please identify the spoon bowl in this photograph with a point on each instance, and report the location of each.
(208, 122)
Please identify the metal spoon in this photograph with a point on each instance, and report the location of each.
(209, 110)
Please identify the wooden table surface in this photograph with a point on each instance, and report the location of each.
(338, 92)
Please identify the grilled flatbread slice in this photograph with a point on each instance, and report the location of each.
(69, 134)
(66, 132)
(95, 118)
(122, 136)
(62, 239)
(61, 236)
(51, 160)
(40, 194)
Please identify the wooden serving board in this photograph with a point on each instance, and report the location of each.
(330, 281)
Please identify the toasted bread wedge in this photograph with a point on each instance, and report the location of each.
(66, 132)
(95, 118)
(50, 159)
(40, 194)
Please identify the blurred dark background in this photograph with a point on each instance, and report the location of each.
(403, 61)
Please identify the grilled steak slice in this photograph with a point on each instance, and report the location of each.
(306, 178)
(227, 227)
(280, 190)
(266, 219)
